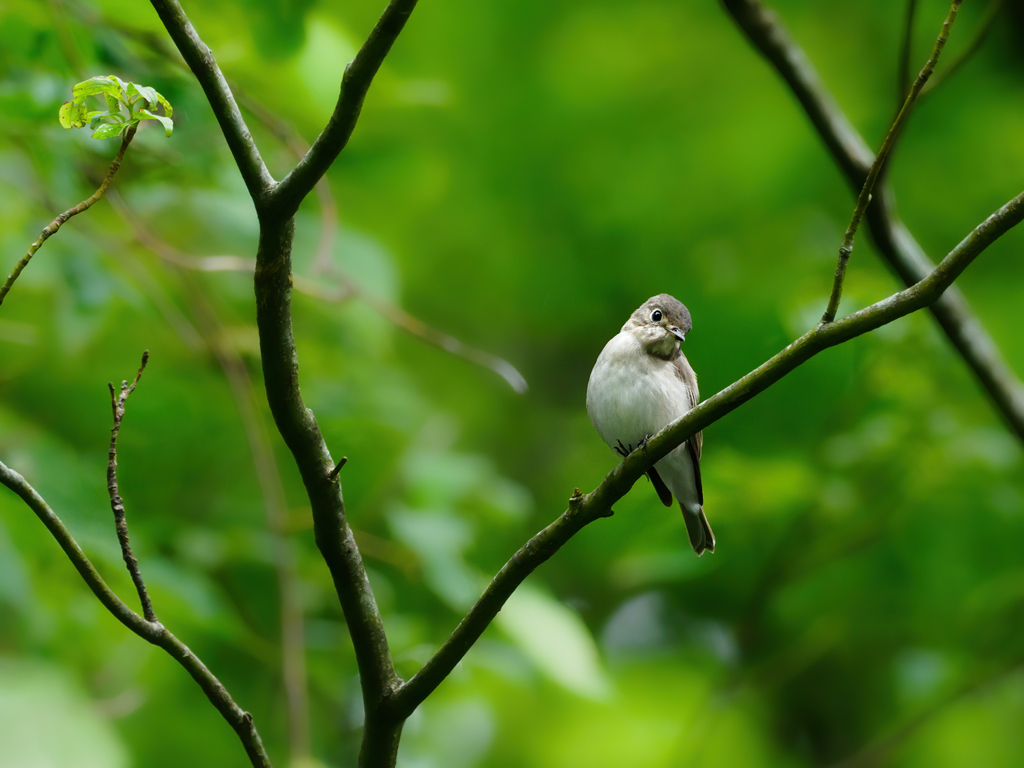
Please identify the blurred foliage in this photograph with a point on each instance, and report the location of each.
(523, 176)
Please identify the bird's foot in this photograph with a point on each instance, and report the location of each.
(643, 443)
(623, 450)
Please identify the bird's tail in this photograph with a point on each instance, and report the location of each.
(699, 531)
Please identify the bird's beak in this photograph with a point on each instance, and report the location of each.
(677, 333)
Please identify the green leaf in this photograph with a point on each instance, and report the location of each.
(166, 122)
(148, 94)
(96, 85)
(556, 640)
(120, 83)
(113, 103)
(165, 104)
(72, 115)
(108, 130)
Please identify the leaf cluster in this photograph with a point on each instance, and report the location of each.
(127, 105)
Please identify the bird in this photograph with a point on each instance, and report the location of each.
(642, 382)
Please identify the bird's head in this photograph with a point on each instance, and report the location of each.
(660, 324)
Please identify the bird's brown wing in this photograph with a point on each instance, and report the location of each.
(659, 485)
(696, 442)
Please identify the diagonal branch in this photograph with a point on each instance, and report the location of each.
(876, 167)
(51, 228)
(354, 84)
(153, 632)
(991, 13)
(585, 509)
(117, 405)
(204, 66)
(895, 243)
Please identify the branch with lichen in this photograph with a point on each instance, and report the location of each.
(117, 405)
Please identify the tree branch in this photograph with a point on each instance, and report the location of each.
(117, 405)
(348, 289)
(354, 84)
(895, 243)
(204, 66)
(153, 632)
(876, 167)
(906, 47)
(301, 433)
(979, 37)
(51, 228)
(585, 509)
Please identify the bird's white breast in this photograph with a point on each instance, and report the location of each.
(632, 394)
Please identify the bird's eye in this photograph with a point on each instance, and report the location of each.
(656, 316)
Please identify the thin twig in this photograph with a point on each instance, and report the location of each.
(876, 167)
(51, 228)
(117, 405)
(906, 47)
(337, 467)
(348, 289)
(894, 242)
(586, 509)
(153, 632)
(991, 13)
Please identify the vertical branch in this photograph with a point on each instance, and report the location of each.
(117, 405)
(876, 167)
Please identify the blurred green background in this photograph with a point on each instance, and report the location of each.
(523, 176)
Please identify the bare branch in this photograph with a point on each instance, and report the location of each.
(152, 632)
(585, 509)
(301, 433)
(117, 405)
(876, 167)
(204, 66)
(991, 13)
(895, 243)
(355, 83)
(906, 47)
(348, 289)
(51, 228)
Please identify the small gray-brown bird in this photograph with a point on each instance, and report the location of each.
(642, 382)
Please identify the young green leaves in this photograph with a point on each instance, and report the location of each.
(127, 105)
